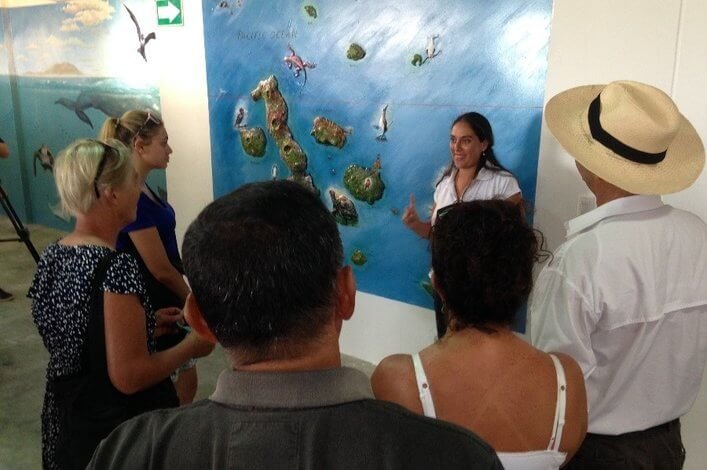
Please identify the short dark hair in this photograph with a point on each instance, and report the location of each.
(483, 254)
(262, 263)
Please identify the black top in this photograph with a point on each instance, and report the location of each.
(61, 303)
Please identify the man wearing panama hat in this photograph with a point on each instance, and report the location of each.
(626, 294)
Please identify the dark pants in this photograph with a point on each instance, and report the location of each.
(657, 448)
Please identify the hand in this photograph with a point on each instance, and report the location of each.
(410, 217)
(166, 320)
(199, 346)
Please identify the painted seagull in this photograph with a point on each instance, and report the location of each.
(143, 39)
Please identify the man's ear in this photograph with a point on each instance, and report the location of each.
(193, 316)
(345, 293)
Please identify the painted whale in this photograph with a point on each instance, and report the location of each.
(112, 103)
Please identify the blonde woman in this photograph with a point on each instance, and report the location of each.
(150, 237)
(98, 185)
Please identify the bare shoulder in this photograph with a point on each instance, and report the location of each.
(394, 380)
(576, 411)
(390, 372)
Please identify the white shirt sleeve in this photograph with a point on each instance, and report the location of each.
(509, 187)
(561, 319)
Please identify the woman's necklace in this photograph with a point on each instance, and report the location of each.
(459, 194)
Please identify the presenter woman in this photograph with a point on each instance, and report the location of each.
(473, 174)
(528, 405)
(151, 236)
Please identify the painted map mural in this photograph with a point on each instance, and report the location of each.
(355, 99)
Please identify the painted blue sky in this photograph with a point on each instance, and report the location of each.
(43, 33)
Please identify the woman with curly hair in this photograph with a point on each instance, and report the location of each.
(530, 406)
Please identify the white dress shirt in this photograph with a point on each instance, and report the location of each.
(488, 184)
(626, 296)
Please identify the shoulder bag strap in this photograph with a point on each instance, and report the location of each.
(95, 344)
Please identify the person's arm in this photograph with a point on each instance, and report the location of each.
(516, 198)
(393, 380)
(130, 366)
(561, 317)
(412, 220)
(149, 245)
(4, 149)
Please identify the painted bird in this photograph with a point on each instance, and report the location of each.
(143, 39)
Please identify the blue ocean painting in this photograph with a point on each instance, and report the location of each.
(427, 61)
(62, 71)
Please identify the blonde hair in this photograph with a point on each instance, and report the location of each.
(76, 167)
(133, 123)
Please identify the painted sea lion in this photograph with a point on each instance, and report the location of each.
(112, 101)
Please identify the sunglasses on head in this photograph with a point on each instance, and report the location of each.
(149, 119)
(107, 150)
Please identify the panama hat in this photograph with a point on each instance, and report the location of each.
(629, 134)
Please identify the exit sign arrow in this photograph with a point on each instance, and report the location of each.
(169, 12)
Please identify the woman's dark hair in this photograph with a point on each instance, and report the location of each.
(482, 129)
(483, 254)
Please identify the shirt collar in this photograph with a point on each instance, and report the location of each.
(621, 206)
(483, 174)
(306, 389)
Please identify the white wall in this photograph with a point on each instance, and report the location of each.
(661, 42)
(185, 109)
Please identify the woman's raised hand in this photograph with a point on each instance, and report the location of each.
(410, 216)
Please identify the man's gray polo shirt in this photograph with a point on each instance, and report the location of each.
(323, 419)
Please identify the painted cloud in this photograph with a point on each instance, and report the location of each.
(85, 13)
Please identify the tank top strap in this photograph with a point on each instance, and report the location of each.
(560, 406)
(423, 387)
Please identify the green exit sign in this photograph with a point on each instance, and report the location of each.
(169, 13)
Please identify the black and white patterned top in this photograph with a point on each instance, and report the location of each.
(61, 303)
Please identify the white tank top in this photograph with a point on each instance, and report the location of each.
(548, 459)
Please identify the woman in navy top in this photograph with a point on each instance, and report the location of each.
(151, 236)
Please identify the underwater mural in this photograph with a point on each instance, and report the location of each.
(359, 99)
(64, 67)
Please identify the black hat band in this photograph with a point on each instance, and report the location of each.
(614, 144)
